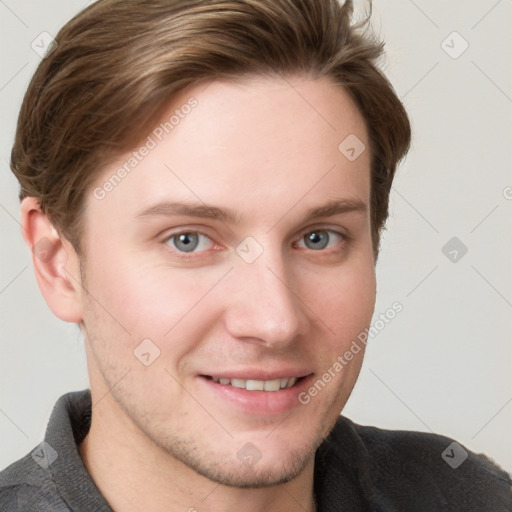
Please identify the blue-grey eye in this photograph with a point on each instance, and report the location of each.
(321, 239)
(188, 242)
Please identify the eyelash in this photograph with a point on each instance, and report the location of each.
(345, 239)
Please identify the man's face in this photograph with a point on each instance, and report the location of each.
(242, 283)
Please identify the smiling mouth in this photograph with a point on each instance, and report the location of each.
(257, 385)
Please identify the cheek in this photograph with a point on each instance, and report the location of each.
(134, 301)
(345, 303)
(344, 298)
(348, 304)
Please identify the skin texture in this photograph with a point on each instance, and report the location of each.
(267, 149)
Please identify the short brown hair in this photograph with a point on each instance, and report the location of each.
(117, 65)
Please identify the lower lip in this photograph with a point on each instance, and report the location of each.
(259, 402)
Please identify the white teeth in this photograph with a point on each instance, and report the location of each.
(258, 385)
(254, 385)
(272, 385)
(238, 383)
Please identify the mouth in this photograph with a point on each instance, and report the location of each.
(256, 391)
(271, 385)
(263, 394)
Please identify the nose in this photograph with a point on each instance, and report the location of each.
(263, 307)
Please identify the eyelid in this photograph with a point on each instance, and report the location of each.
(182, 231)
(169, 233)
(323, 227)
(345, 238)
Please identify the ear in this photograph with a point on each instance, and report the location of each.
(56, 264)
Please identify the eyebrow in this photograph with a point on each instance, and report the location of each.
(225, 215)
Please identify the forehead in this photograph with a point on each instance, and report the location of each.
(256, 141)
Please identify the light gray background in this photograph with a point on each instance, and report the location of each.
(443, 364)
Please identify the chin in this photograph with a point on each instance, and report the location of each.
(246, 466)
(250, 475)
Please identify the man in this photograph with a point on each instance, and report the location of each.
(203, 186)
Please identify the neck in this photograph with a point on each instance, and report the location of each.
(133, 474)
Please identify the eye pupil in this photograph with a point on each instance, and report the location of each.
(317, 240)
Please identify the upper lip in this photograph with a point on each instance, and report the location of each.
(260, 374)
